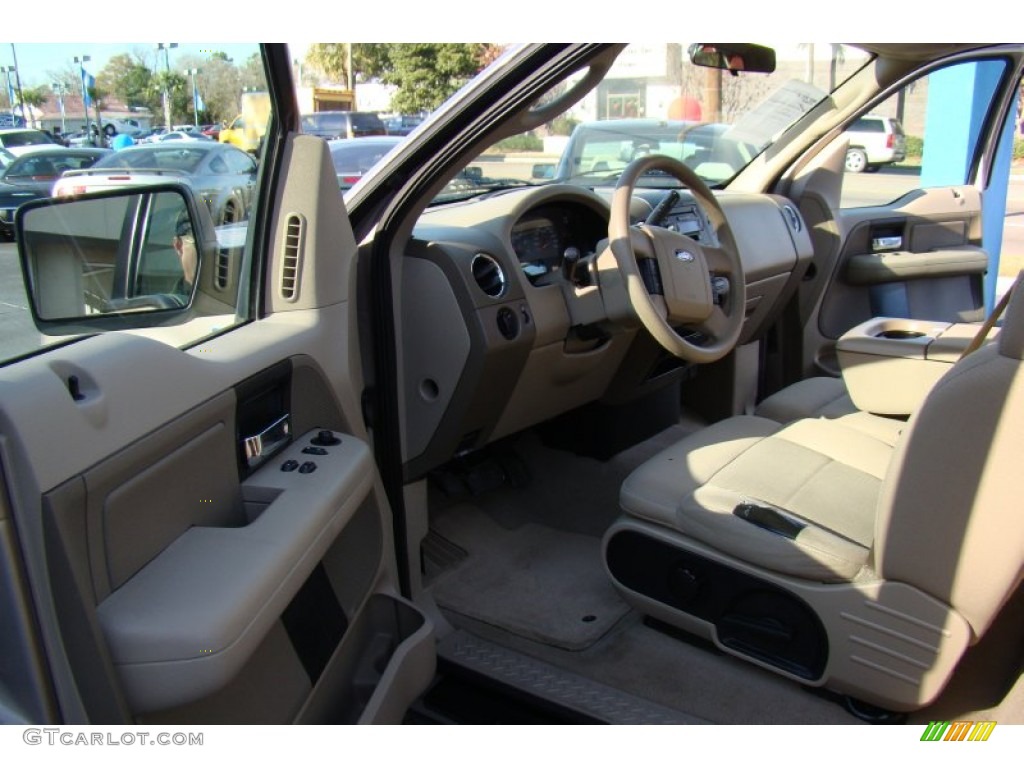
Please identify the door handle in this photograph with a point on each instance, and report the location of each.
(889, 243)
(261, 446)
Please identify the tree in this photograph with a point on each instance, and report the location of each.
(219, 84)
(178, 90)
(34, 98)
(251, 75)
(128, 79)
(370, 61)
(428, 73)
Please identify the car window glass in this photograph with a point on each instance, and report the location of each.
(217, 165)
(145, 88)
(654, 100)
(238, 162)
(909, 141)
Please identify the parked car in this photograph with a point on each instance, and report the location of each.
(603, 148)
(342, 125)
(220, 175)
(402, 125)
(176, 135)
(875, 141)
(30, 176)
(113, 126)
(354, 157)
(632, 449)
(18, 140)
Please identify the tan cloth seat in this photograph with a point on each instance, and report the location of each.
(823, 474)
(919, 524)
(818, 396)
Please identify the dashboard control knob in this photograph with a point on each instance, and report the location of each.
(508, 323)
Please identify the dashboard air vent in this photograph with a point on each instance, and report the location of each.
(291, 257)
(488, 274)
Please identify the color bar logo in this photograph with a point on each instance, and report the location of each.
(958, 730)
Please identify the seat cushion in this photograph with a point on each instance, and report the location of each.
(817, 396)
(824, 475)
(823, 397)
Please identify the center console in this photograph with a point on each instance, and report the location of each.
(890, 364)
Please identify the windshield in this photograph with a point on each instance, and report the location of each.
(654, 101)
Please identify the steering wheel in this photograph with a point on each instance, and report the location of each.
(690, 292)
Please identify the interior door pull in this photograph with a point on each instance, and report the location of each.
(886, 243)
(260, 447)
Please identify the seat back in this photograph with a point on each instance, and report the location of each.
(951, 514)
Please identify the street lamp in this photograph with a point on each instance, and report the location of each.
(166, 48)
(60, 89)
(81, 61)
(195, 102)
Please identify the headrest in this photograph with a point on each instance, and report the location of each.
(1011, 337)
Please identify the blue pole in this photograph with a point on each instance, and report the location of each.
(959, 97)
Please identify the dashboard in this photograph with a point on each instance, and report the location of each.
(500, 332)
(542, 238)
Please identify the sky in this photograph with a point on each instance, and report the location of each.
(35, 61)
(463, 21)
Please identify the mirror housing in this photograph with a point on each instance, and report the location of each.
(735, 57)
(129, 258)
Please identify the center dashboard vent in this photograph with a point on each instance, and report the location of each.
(489, 275)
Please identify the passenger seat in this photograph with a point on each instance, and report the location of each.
(816, 397)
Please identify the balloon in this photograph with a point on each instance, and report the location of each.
(684, 108)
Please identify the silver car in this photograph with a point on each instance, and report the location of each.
(221, 175)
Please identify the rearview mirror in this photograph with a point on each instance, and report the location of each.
(735, 57)
(125, 259)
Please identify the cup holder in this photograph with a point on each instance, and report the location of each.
(898, 333)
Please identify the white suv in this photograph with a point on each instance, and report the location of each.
(874, 141)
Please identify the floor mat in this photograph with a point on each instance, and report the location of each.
(536, 582)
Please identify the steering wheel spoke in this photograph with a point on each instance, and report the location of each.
(716, 324)
(686, 267)
(719, 261)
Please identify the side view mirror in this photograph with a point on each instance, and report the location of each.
(735, 57)
(121, 259)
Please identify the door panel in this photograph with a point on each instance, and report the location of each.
(907, 240)
(176, 576)
(918, 258)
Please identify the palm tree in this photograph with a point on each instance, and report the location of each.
(33, 99)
